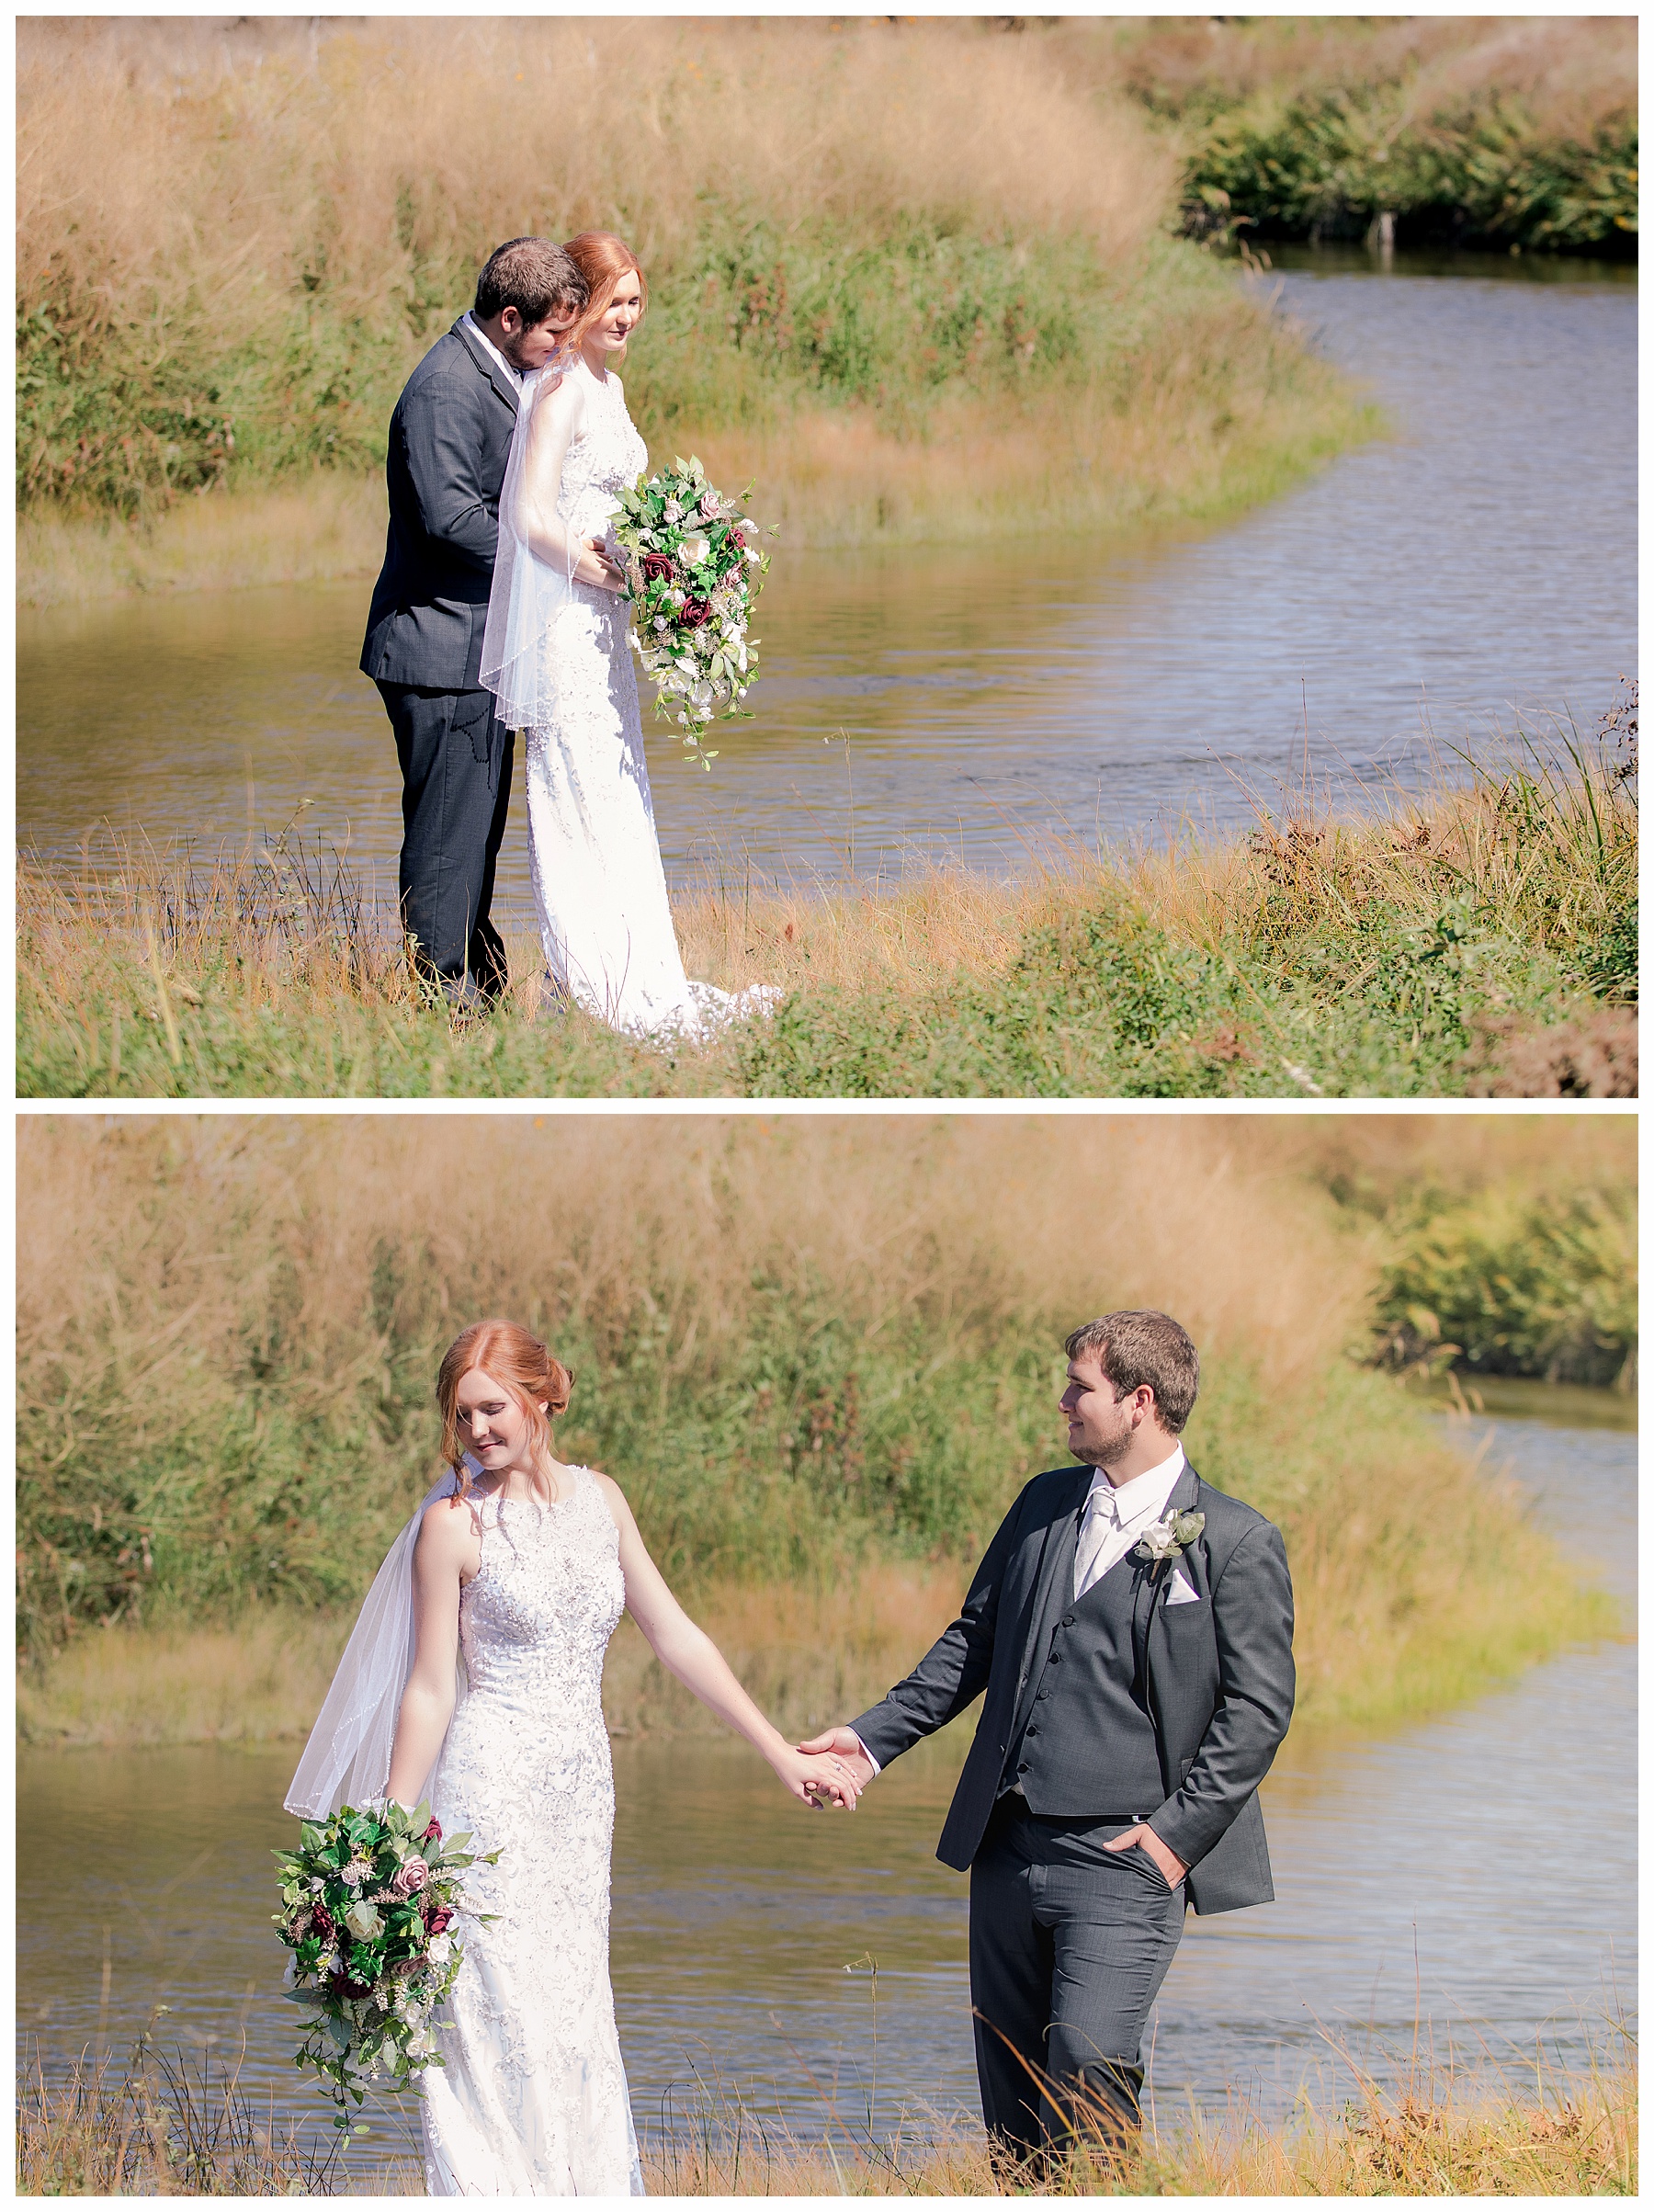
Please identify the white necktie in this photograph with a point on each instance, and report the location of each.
(1102, 1522)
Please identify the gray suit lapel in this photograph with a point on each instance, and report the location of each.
(1053, 1592)
(1151, 1591)
(488, 368)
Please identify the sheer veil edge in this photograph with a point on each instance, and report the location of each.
(348, 1758)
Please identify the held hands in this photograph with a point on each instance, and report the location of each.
(844, 1745)
(1164, 1857)
(816, 1782)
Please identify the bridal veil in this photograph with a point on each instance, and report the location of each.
(347, 1759)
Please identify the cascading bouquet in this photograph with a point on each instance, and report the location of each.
(693, 571)
(366, 1902)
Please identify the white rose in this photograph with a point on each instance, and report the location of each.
(440, 1949)
(363, 1920)
(694, 548)
(289, 1973)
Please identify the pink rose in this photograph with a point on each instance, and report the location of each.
(708, 505)
(413, 1875)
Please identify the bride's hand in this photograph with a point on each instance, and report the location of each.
(818, 1780)
(595, 568)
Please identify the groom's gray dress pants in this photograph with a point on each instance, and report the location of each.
(1068, 1946)
(456, 758)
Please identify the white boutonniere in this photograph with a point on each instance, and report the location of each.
(1165, 1539)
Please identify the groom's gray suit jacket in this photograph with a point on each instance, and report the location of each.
(1219, 1677)
(451, 438)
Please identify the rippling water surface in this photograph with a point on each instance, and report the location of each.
(1475, 1875)
(982, 703)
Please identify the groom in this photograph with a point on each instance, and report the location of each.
(1132, 1628)
(450, 438)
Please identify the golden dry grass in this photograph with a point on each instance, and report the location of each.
(227, 149)
(273, 1238)
(92, 2133)
(1572, 71)
(1435, 2138)
(241, 162)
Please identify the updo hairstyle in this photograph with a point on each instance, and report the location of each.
(517, 1361)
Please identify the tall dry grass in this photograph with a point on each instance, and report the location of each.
(1572, 71)
(152, 2131)
(820, 1355)
(910, 274)
(1480, 938)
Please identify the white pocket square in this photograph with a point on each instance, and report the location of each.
(1182, 1592)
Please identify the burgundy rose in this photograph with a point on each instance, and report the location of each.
(656, 568)
(342, 1986)
(321, 1921)
(695, 613)
(438, 1920)
(433, 1835)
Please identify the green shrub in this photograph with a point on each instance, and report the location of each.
(1508, 1283)
(1325, 168)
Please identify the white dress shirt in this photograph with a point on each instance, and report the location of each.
(1110, 1523)
(492, 351)
(1113, 1518)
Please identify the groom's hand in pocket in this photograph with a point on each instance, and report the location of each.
(845, 1745)
(1171, 1867)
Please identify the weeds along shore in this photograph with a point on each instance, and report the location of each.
(1480, 940)
(819, 1357)
(148, 2128)
(905, 324)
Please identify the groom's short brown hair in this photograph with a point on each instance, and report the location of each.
(1141, 1346)
(532, 275)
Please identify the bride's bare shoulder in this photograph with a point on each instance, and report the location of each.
(449, 1525)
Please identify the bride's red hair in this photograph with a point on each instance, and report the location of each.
(520, 1363)
(602, 259)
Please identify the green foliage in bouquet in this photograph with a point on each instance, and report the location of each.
(693, 571)
(366, 1903)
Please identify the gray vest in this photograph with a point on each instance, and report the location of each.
(1088, 1747)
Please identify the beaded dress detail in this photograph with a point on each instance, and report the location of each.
(531, 2100)
(594, 856)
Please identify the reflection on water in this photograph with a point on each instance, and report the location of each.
(992, 700)
(1424, 1873)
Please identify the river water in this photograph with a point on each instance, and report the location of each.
(1472, 1877)
(988, 704)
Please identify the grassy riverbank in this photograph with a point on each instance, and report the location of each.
(148, 2130)
(1480, 941)
(1506, 135)
(821, 1356)
(912, 276)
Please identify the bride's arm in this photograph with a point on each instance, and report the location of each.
(448, 1548)
(690, 1654)
(536, 520)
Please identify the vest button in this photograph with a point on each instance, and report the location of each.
(1056, 1659)
(1067, 1620)
(1034, 1729)
(1023, 1768)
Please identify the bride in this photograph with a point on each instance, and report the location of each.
(474, 1678)
(556, 654)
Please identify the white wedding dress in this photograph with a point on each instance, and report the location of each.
(594, 856)
(531, 2098)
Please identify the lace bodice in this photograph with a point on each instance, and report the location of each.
(605, 455)
(536, 1620)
